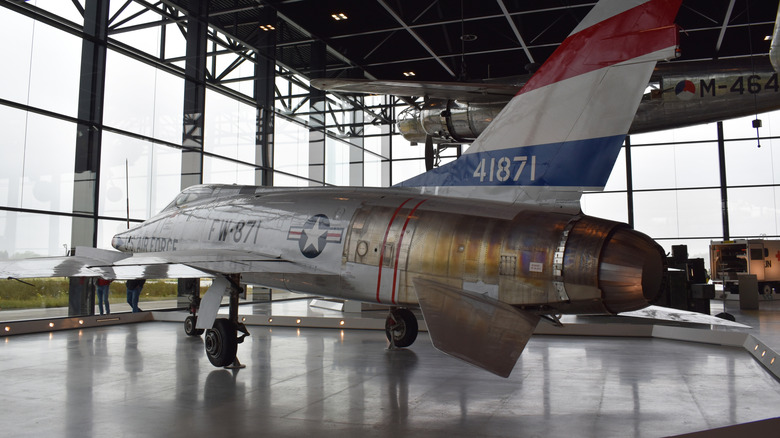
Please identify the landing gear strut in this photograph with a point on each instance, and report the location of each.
(191, 320)
(401, 328)
(222, 339)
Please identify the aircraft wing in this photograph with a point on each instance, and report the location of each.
(472, 92)
(92, 262)
(82, 264)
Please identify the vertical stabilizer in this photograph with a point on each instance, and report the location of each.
(560, 135)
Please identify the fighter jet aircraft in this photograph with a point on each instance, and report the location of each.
(485, 246)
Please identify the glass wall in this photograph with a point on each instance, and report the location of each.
(676, 185)
(667, 184)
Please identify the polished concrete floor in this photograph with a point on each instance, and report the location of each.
(149, 379)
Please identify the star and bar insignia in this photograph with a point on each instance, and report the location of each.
(314, 235)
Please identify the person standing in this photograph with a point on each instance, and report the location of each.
(134, 292)
(102, 293)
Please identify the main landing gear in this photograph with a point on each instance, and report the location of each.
(401, 328)
(222, 339)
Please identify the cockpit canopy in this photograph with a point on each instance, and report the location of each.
(191, 195)
(200, 193)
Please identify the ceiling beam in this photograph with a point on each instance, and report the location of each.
(725, 25)
(415, 36)
(514, 29)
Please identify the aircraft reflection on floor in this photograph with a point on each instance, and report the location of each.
(345, 382)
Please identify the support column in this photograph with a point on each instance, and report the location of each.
(724, 194)
(629, 183)
(317, 116)
(265, 75)
(193, 121)
(357, 157)
(88, 147)
(194, 95)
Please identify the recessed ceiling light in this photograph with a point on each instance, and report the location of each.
(409, 73)
(768, 38)
(267, 27)
(338, 17)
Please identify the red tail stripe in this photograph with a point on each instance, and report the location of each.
(610, 42)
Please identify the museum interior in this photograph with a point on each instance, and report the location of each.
(109, 109)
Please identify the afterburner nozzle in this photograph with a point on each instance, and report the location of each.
(631, 271)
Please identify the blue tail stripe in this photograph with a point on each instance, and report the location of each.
(579, 163)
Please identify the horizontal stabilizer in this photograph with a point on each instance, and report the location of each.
(477, 329)
(677, 315)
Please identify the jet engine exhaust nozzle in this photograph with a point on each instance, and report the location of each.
(631, 272)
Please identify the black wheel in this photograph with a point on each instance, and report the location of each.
(726, 316)
(221, 343)
(189, 326)
(401, 327)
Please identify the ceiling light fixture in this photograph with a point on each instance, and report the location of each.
(338, 17)
(409, 73)
(768, 38)
(267, 27)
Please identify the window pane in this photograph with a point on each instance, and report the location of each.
(142, 99)
(403, 170)
(33, 235)
(653, 166)
(674, 214)
(753, 212)
(15, 81)
(707, 131)
(747, 164)
(45, 64)
(612, 206)
(49, 162)
(230, 127)
(12, 148)
(217, 171)
(291, 152)
(154, 176)
(403, 149)
(671, 166)
(699, 213)
(336, 162)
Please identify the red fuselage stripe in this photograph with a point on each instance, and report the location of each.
(382, 249)
(400, 240)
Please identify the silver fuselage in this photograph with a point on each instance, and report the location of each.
(369, 245)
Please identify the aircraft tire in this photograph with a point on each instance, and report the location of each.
(401, 327)
(221, 343)
(189, 326)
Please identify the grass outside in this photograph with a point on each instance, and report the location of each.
(53, 292)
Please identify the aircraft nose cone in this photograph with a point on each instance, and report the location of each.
(631, 271)
(116, 242)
